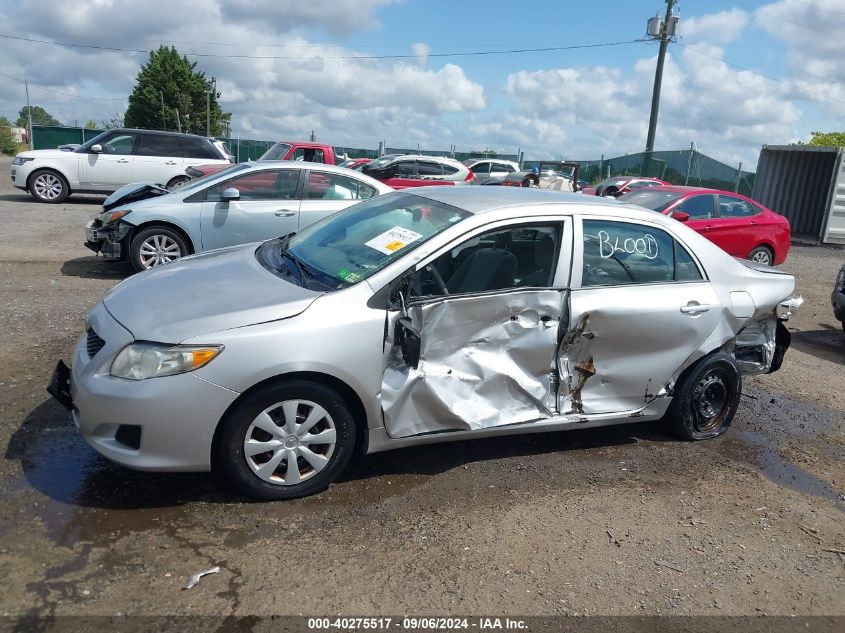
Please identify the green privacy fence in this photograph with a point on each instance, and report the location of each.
(679, 167)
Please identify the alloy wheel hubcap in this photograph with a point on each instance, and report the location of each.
(290, 442)
(710, 402)
(47, 186)
(762, 257)
(157, 250)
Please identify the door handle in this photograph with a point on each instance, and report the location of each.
(123, 160)
(707, 228)
(285, 213)
(693, 308)
(171, 162)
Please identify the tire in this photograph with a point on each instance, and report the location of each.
(530, 182)
(706, 398)
(156, 246)
(262, 417)
(762, 255)
(609, 192)
(177, 181)
(46, 185)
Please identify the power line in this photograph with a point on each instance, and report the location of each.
(544, 49)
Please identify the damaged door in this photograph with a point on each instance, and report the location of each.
(642, 308)
(473, 343)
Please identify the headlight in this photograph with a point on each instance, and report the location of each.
(114, 217)
(20, 160)
(139, 361)
(840, 280)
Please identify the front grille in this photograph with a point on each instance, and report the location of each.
(94, 343)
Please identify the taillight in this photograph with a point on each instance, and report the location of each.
(470, 176)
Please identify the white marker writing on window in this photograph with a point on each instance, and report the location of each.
(645, 245)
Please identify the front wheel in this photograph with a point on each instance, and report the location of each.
(155, 246)
(706, 398)
(286, 441)
(177, 181)
(48, 186)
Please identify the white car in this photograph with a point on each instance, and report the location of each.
(491, 167)
(417, 167)
(113, 159)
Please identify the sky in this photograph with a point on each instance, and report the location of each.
(741, 73)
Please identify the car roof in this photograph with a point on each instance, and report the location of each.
(133, 130)
(445, 159)
(687, 189)
(479, 199)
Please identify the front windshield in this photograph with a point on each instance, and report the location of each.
(358, 242)
(612, 182)
(650, 199)
(199, 182)
(277, 151)
(381, 161)
(83, 149)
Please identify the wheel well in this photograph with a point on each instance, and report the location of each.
(168, 225)
(765, 245)
(51, 170)
(346, 392)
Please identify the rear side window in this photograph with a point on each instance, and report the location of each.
(426, 168)
(325, 186)
(200, 148)
(176, 147)
(449, 169)
(622, 253)
(733, 207)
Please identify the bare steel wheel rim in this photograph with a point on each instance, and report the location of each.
(762, 257)
(290, 442)
(711, 401)
(47, 186)
(158, 249)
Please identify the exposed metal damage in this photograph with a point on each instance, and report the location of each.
(472, 362)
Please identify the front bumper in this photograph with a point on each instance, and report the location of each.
(173, 418)
(109, 241)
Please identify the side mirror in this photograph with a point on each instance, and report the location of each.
(230, 194)
(680, 216)
(97, 148)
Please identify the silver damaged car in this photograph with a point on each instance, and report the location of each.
(439, 314)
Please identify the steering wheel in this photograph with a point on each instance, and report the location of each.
(438, 278)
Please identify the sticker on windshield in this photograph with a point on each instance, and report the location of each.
(393, 239)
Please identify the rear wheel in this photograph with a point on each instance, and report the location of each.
(762, 255)
(48, 186)
(155, 246)
(286, 441)
(706, 398)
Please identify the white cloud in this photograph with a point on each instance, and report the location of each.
(715, 28)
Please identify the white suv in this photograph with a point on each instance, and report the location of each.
(113, 159)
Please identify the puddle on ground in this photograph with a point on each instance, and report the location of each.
(742, 445)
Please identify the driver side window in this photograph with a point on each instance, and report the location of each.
(120, 145)
(510, 257)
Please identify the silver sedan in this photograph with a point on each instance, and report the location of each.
(435, 315)
(150, 225)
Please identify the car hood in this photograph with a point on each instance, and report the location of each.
(219, 290)
(132, 193)
(48, 153)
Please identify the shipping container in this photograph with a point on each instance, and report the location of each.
(806, 184)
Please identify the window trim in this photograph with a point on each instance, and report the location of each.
(576, 276)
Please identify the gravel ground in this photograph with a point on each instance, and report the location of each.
(612, 521)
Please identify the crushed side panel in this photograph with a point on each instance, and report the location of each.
(483, 361)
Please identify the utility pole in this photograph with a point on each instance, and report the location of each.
(664, 31)
(208, 92)
(29, 115)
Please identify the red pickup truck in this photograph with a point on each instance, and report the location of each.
(283, 150)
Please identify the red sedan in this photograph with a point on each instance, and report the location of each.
(740, 226)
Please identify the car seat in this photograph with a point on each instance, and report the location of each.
(485, 269)
(544, 254)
